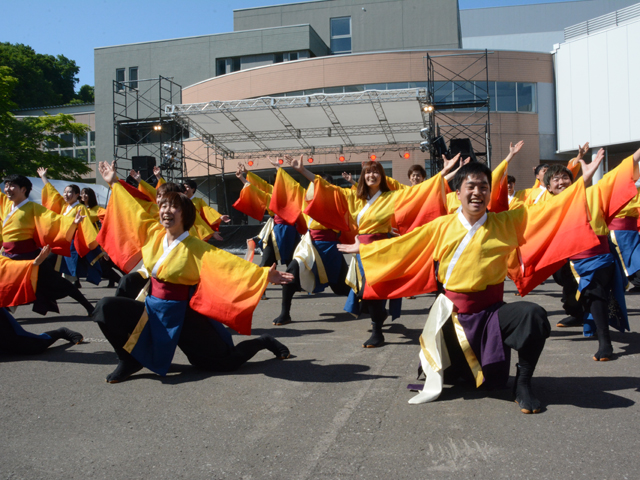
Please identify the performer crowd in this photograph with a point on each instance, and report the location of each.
(458, 234)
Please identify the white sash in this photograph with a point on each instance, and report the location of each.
(167, 250)
(70, 207)
(539, 195)
(368, 204)
(13, 210)
(465, 241)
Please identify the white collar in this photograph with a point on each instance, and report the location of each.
(14, 209)
(471, 230)
(70, 207)
(167, 250)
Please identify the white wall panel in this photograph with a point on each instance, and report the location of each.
(598, 88)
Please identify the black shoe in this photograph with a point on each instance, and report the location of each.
(569, 322)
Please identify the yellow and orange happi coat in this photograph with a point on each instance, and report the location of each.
(499, 200)
(227, 288)
(538, 193)
(200, 228)
(86, 233)
(18, 284)
(339, 208)
(35, 222)
(255, 197)
(471, 259)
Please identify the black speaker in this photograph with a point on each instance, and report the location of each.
(144, 165)
(462, 146)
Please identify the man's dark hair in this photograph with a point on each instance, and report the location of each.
(20, 181)
(328, 178)
(511, 179)
(555, 170)
(417, 168)
(169, 187)
(540, 167)
(192, 184)
(184, 203)
(471, 168)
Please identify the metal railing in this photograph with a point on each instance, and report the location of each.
(600, 23)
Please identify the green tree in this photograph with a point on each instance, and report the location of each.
(43, 80)
(22, 141)
(84, 95)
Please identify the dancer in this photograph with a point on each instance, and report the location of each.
(183, 297)
(278, 238)
(317, 263)
(623, 231)
(471, 249)
(15, 340)
(26, 227)
(85, 254)
(600, 279)
(371, 210)
(209, 214)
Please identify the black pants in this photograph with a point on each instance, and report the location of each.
(53, 286)
(524, 327)
(199, 340)
(14, 344)
(593, 299)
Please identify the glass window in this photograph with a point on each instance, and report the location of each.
(67, 153)
(333, 89)
(492, 96)
(376, 86)
(92, 155)
(81, 140)
(526, 97)
(312, 91)
(506, 96)
(397, 86)
(92, 138)
(278, 58)
(442, 92)
(464, 92)
(235, 64)
(120, 78)
(67, 140)
(133, 77)
(82, 154)
(354, 88)
(221, 66)
(297, 93)
(417, 84)
(340, 35)
(293, 56)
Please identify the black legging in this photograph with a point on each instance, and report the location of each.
(524, 327)
(199, 340)
(14, 344)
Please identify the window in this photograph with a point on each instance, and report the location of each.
(340, 35)
(506, 96)
(526, 97)
(293, 56)
(221, 68)
(133, 77)
(278, 58)
(235, 64)
(81, 140)
(464, 92)
(120, 79)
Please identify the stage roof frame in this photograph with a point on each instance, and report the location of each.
(310, 124)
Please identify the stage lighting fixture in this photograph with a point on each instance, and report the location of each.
(341, 158)
(373, 157)
(157, 127)
(424, 132)
(424, 146)
(250, 163)
(428, 108)
(310, 160)
(407, 155)
(280, 161)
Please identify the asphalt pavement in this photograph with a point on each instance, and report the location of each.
(333, 411)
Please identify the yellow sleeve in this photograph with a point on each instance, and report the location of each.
(148, 190)
(52, 200)
(259, 183)
(395, 185)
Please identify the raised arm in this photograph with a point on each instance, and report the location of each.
(298, 166)
(42, 173)
(241, 171)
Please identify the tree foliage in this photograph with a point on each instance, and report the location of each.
(22, 140)
(43, 80)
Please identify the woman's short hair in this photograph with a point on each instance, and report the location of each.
(92, 200)
(363, 190)
(181, 201)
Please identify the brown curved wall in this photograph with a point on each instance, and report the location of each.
(391, 67)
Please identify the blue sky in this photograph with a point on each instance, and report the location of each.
(74, 28)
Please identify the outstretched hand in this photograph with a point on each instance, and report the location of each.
(157, 171)
(217, 236)
(135, 175)
(350, 248)
(348, 177)
(79, 217)
(582, 150)
(42, 256)
(296, 163)
(42, 173)
(273, 162)
(448, 164)
(278, 278)
(514, 150)
(108, 172)
(225, 218)
(589, 169)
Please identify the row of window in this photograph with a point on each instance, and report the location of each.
(133, 78)
(234, 64)
(503, 96)
(80, 146)
(340, 35)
